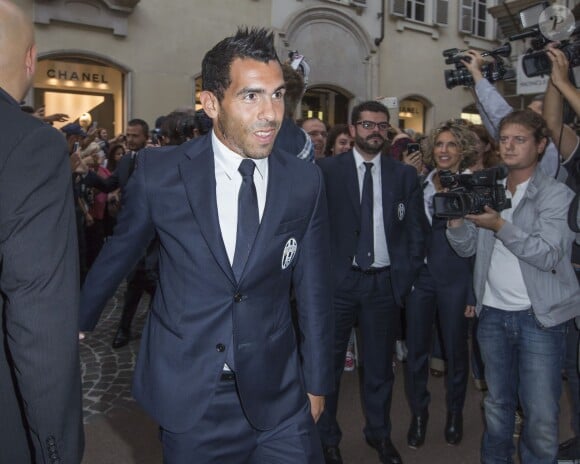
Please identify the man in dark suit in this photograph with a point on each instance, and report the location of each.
(238, 223)
(40, 383)
(143, 278)
(376, 216)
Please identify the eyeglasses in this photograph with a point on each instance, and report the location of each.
(370, 125)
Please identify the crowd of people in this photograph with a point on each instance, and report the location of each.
(265, 243)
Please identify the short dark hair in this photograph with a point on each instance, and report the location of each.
(333, 133)
(370, 105)
(140, 122)
(178, 127)
(255, 43)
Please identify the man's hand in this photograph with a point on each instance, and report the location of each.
(414, 159)
(77, 165)
(474, 65)
(316, 406)
(453, 223)
(489, 219)
(559, 74)
(56, 117)
(469, 311)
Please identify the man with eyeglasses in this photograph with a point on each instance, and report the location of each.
(376, 216)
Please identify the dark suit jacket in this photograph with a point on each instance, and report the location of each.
(403, 215)
(39, 292)
(199, 305)
(118, 178)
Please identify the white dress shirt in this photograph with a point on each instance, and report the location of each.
(228, 181)
(381, 252)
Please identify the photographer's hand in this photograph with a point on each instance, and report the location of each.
(559, 74)
(489, 219)
(474, 65)
(559, 88)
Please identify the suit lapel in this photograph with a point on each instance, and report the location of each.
(198, 174)
(387, 181)
(351, 182)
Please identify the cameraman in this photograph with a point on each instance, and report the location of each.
(493, 107)
(560, 87)
(525, 290)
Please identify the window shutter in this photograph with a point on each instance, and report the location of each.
(398, 8)
(466, 16)
(441, 13)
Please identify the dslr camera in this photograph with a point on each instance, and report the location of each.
(469, 193)
(494, 71)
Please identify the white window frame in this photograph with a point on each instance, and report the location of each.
(468, 18)
(435, 11)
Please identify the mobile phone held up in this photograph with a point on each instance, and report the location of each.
(413, 147)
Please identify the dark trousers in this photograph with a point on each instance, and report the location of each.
(367, 298)
(138, 282)
(224, 436)
(446, 302)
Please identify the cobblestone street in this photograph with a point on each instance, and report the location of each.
(106, 372)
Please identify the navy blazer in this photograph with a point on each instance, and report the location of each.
(199, 304)
(403, 215)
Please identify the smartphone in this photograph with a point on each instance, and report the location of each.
(76, 147)
(94, 125)
(413, 147)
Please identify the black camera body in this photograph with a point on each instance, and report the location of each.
(470, 193)
(494, 71)
(537, 63)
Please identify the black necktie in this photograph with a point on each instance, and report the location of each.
(248, 217)
(365, 249)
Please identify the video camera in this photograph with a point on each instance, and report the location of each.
(469, 193)
(544, 28)
(491, 71)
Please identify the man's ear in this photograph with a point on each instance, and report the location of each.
(210, 103)
(30, 61)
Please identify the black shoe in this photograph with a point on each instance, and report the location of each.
(122, 337)
(417, 430)
(331, 455)
(569, 450)
(454, 428)
(388, 454)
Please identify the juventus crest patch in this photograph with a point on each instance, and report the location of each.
(401, 211)
(289, 252)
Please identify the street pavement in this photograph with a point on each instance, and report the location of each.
(117, 431)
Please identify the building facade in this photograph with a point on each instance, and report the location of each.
(119, 59)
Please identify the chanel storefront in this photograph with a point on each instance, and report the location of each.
(80, 87)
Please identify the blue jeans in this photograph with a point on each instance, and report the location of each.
(522, 359)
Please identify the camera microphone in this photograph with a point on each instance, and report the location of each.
(524, 35)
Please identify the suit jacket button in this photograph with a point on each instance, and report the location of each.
(220, 347)
(238, 297)
(553, 271)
